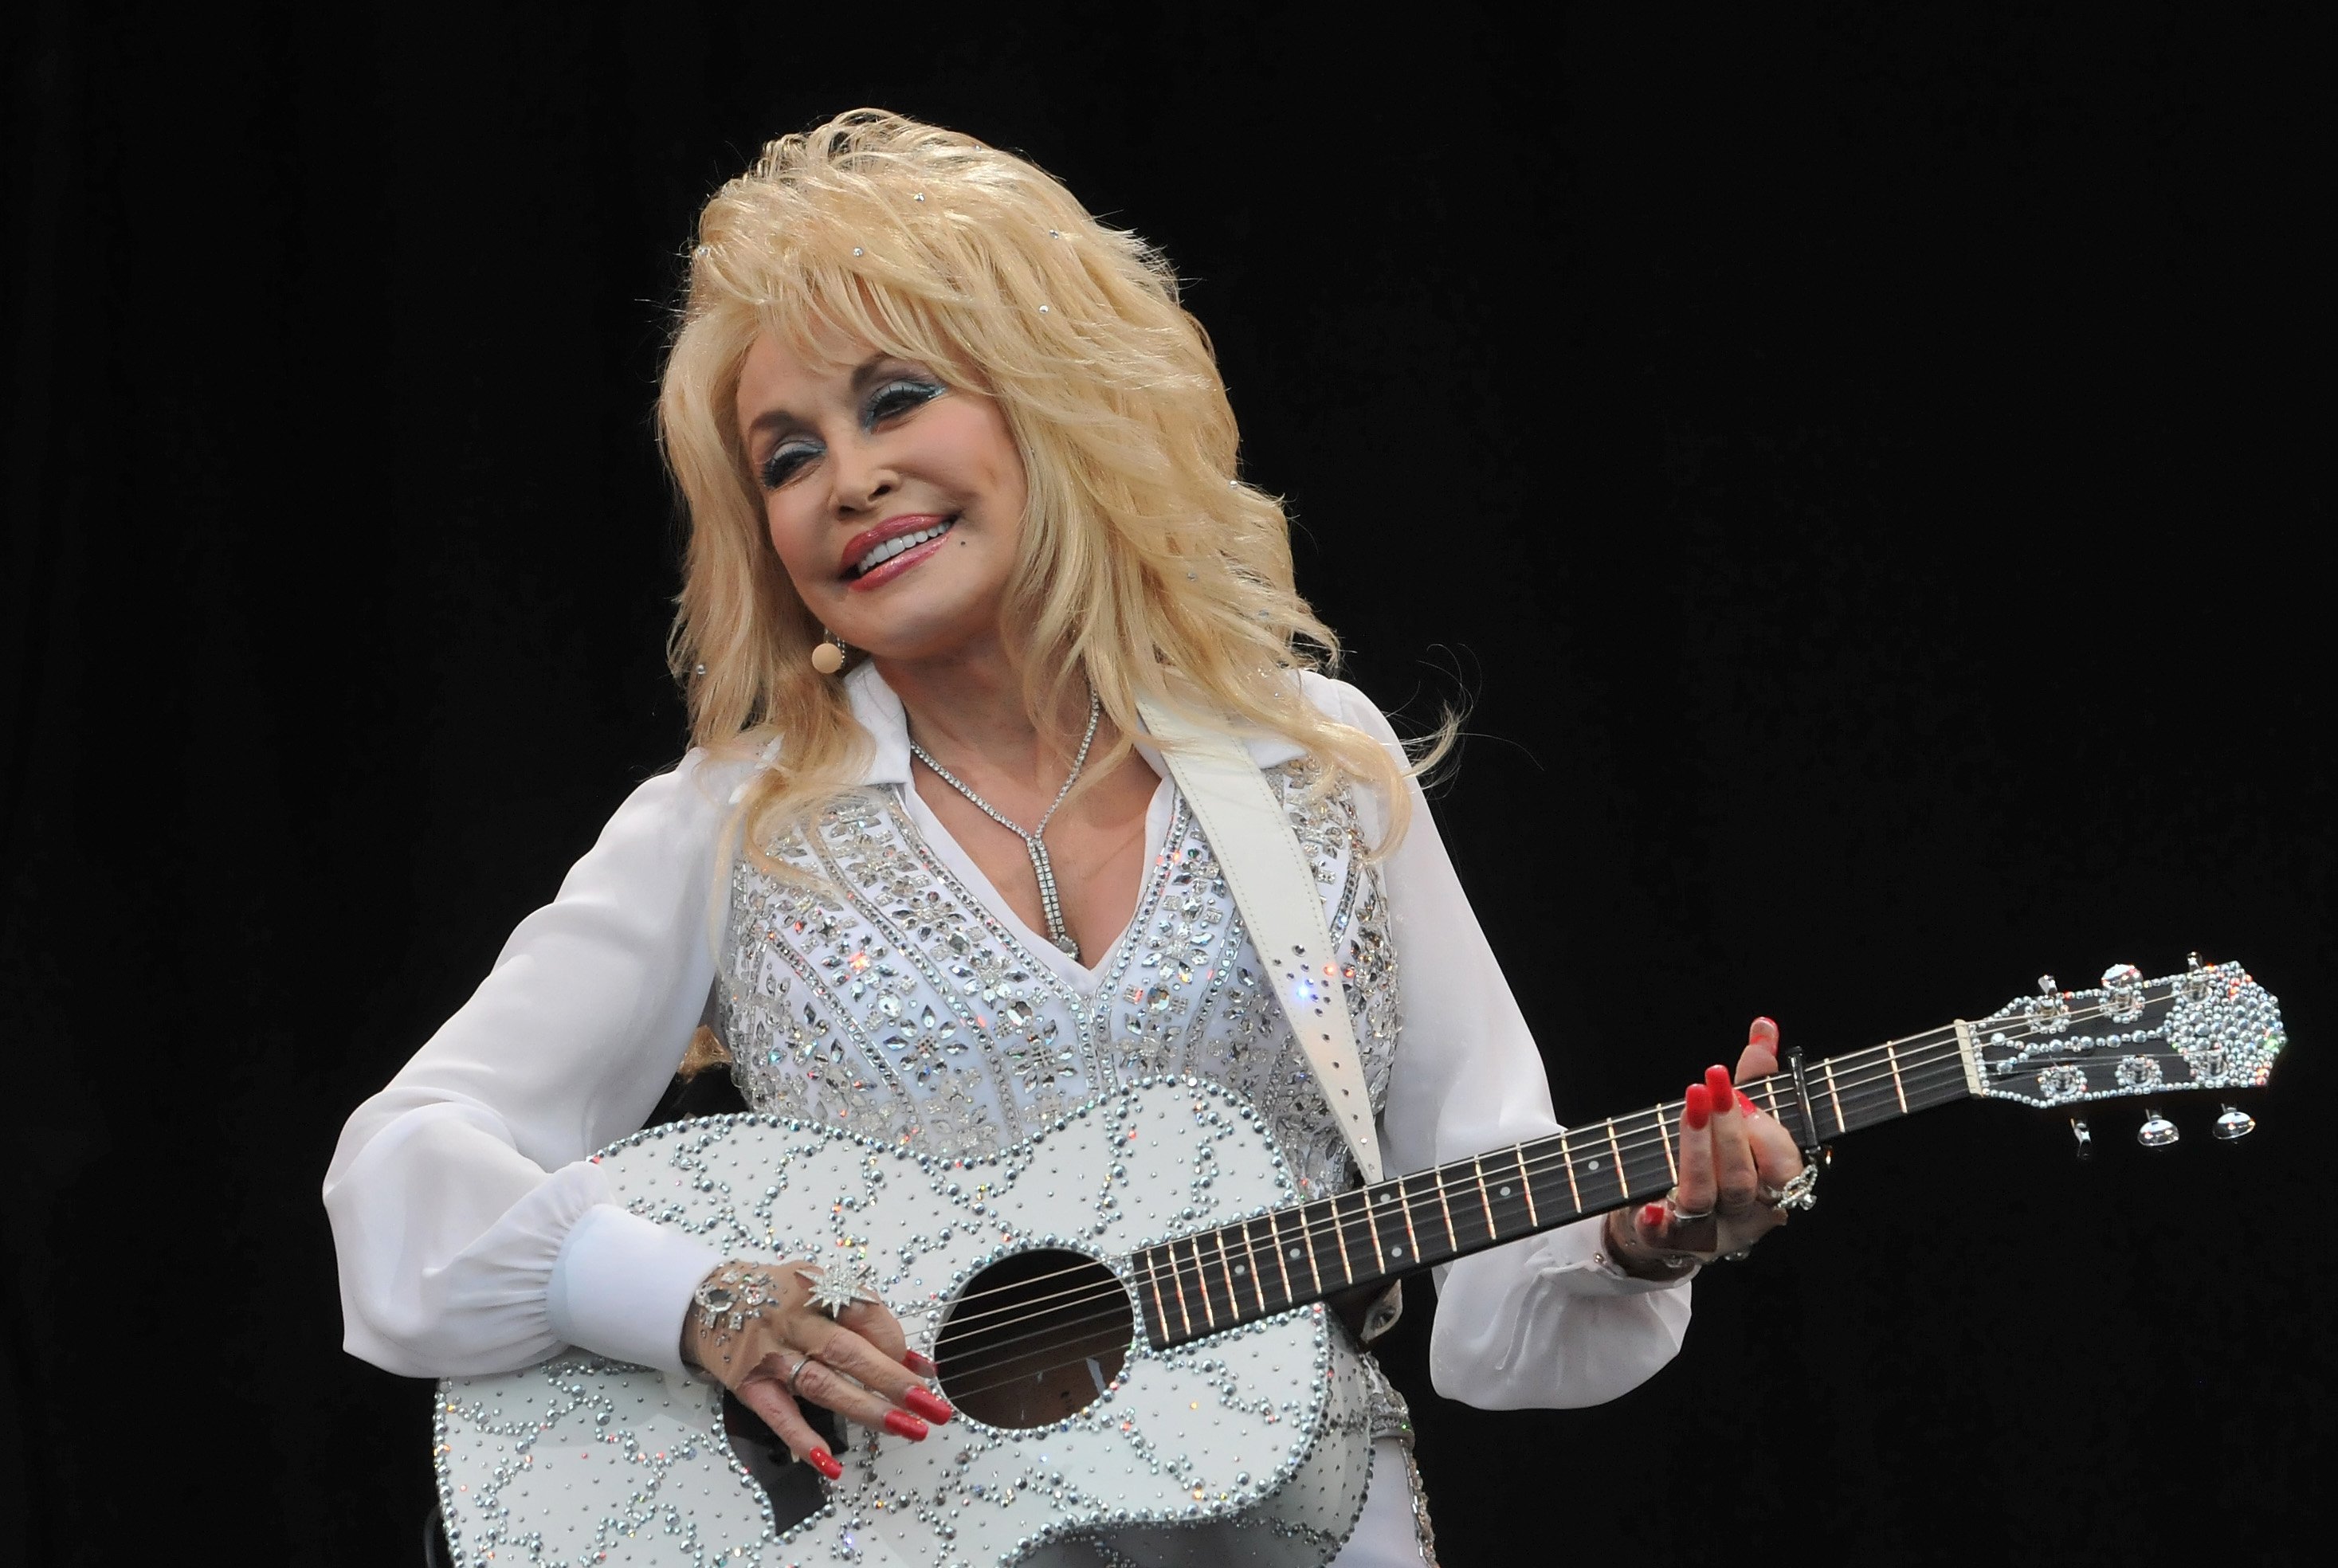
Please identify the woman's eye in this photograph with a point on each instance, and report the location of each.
(782, 464)
(897, 398)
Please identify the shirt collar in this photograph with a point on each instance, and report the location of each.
(880, 713)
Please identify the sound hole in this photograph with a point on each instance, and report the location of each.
(1034, 1338)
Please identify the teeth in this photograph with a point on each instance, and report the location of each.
(894, 546)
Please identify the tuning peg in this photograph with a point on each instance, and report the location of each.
(2235, 1123)
(2156, 1131)
(2085, 1149)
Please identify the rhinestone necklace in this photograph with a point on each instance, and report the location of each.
(1049, 904)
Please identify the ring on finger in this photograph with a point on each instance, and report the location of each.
(803, 1360)
(1682, 1216)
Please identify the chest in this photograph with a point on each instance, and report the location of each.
(1084, 872)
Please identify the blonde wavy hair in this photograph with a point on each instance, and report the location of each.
(1146, 567)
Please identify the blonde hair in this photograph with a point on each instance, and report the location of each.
(1146, 564)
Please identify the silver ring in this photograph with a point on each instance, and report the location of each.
(802, 1361)
(1680, 1215)
(1799, 1192)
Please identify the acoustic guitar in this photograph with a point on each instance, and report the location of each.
(1130, 1311)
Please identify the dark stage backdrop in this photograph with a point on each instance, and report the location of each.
(1867, 467)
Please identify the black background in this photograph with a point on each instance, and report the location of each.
(1870, 470)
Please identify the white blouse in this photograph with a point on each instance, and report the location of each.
(474, 1236)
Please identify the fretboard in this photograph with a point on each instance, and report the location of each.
(1217, 1279)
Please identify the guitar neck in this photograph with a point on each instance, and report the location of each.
(1217, 1279)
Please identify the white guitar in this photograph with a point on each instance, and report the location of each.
(1129, 1310)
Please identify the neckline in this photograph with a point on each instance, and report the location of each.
(1082, 978)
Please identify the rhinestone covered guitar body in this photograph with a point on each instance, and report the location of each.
(1252, 1445)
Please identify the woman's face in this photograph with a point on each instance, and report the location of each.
(895, 500)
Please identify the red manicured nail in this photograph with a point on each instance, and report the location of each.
(1761, 1025)
(825, 1463)
(901, 1423)
(1652, 1218)
(931, 1406)
(1745, 1105)
(918, 1364)
(1717, 1083)
(1696, 1107)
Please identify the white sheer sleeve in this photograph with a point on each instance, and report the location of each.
(1541, 1322)
(473, 1234)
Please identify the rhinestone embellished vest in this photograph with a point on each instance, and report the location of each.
(888, 1001)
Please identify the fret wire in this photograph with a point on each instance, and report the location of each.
(1894, 1057)
(1226, 1274)
(1250, 1258)
(1152, 1275)
(1617, 1149)
(1404, 1206)
(1178, 1277)
(1202, 1282)
(1452, 1237)
(1477, 1164)
(1671, 1164)
(1527, 1183)
(1275, 1230)
(1567, 1160)
(1371, 1225)
(1307, 1229)
(1835, 1094)
(1339, 1233)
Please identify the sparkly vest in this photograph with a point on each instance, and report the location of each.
(883, 998)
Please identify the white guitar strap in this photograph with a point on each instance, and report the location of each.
(1274, 889)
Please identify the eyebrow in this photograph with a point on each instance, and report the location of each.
(782, 419)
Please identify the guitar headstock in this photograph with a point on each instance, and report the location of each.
(2211, 1027)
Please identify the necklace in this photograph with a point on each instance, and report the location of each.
(1049, 904)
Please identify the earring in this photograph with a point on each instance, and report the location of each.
(828, 653)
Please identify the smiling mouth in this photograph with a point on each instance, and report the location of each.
(900, 544)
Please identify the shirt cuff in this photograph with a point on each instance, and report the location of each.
(621, 1286)
(1579, 1260)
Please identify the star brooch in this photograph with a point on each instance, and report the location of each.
(836, 1288)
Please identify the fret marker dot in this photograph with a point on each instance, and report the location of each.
(1241, 1269)
(1395, 1251)
(1294, 1251)
(1593, 1162)
(1506, 1191)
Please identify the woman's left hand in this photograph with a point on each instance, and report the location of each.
(1734, 1160)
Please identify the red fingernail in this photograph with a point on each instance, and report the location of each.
(1696, 1107)
(1743, 1103)
(931, 1406)
(1761, 1024)
(1716, 1080)
(918, 1364)
(825, 1463)
(901, 1423)
(1652, 1217)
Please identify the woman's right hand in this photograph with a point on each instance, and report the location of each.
(754, 1326)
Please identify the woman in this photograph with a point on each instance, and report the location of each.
(961, 482)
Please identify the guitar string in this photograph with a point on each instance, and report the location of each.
(1926, 1069)
(1179, 1271)
(990, 1359)
(995, 1353)
(1926, 1075)
(1852, 1081)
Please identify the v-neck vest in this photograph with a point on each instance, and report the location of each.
(872, 990)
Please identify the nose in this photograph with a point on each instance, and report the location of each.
(859, 478)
